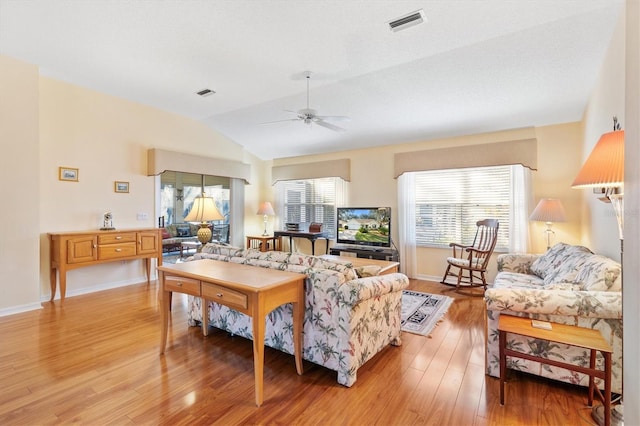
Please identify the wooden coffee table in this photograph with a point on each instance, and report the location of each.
(248, 289)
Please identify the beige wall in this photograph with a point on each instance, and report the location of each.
(19, 170)
(372, 181)
(107, 139)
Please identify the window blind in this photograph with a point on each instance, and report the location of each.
(309, 200)
(450, 202)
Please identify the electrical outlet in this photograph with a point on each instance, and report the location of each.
(143, 216)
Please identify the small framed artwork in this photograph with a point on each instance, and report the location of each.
(68, 173)
(121, 186)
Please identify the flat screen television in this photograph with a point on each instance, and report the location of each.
(365, 226)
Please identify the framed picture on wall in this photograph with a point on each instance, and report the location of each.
(68, 173)
(120, 186)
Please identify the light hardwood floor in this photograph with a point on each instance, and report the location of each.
(95, 360)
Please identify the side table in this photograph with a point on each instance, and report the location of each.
(264, 242)
(561, 333)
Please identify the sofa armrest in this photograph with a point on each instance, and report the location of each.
(355, 291)
(520, 263)
(592, 304)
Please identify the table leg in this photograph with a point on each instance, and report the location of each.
(147, 264)
(62, 273)
(592, 381)
(165, 300)
(503, 364)
(607, 388)
(313, 247)
(53, 281)
(290, 244)
(298, 320)
(205, 316)
(258, 352)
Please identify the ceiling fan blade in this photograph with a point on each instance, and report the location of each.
(342, 118)
(281, 121)
(329, 126)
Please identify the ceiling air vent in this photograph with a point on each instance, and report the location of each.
(206, 92)
(406, 21)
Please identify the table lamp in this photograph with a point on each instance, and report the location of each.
(266, 210)
(549, 210)
(204, 210)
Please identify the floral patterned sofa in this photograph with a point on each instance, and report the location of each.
(568, 285)
(348, 319)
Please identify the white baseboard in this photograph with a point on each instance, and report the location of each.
(429, 278)
(100, 287)
(19, 309)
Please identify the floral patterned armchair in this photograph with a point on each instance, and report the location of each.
(347, 319)
(568, 285)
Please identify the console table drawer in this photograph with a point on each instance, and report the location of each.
(116, 251)
(182, 285)
(230, 298)
(122, 237)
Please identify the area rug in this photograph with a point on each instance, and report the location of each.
(422, 311)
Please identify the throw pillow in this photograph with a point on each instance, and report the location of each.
(183, 231)
(165, 234)
(600, 273)
(550, 264)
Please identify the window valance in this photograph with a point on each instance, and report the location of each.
(321, 169)
(524, 151)
(160, 160)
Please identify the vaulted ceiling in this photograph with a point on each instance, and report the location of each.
(473, 66)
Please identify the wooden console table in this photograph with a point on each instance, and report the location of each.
(72, 250)
(587, 338)
(248, 289)
(311, 236)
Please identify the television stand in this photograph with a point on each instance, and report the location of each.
(366, 253)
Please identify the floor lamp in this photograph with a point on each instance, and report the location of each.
(604, 169)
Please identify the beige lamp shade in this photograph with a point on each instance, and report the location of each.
(549, 210)
(204, 210)
(605, 166)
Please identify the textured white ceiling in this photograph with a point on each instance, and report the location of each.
(474, 66)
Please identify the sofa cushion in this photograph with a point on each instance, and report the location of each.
(560, 263)
(600, 273)
(517, 280)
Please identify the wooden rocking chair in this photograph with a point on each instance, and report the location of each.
(473, 258)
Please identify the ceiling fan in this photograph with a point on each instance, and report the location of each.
(310, 116)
